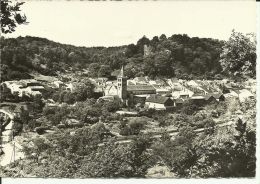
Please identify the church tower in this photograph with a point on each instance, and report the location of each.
(122, 85)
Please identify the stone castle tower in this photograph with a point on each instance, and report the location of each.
(122, 85)
(147, 50)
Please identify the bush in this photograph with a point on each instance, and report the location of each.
(132, 128)
(189, 109)
(40, 130)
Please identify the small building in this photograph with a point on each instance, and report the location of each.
(159, 102)
(198, 100)
(181, 92)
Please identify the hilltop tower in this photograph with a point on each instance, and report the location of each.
(122, 85)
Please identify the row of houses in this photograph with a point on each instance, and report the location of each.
(28, 87)
(163, 94)
(159, 102)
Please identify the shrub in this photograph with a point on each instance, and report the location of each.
(40, 130)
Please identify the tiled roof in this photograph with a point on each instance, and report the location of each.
(142, 79)
(140, 88)
(196, 97)
(157, 99)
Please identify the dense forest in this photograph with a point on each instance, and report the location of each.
(176, 56)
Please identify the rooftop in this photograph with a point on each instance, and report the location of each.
(157, 99)
(140, 88)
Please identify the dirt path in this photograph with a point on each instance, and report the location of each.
(9, 147)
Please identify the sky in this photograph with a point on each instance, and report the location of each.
(88, 23)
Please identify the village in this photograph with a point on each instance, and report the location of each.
(159, 94)
(136, 95)
(139, 92)
(117, 108)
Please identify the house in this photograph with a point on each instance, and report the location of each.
(198, 100)
(159, 102)
(28, 87)
(192, 83)
(173, 82)
(179, 91)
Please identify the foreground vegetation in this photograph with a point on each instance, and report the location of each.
(90, 148)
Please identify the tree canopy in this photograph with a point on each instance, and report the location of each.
(238, 57)
(11, 16)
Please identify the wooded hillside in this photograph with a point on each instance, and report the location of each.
(176, 56)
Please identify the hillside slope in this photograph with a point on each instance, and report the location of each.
(177, 56)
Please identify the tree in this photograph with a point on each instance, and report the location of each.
(238, 57)
(179, 154)
(24, 116)
(5, 93)
(163, 37)
(230, 156)
(84, 90)
(104, 71)
(115, 160)
(69, 98)
(37, 104)
(133, 127)
(94, 69)
(209, 126)
(11, 16)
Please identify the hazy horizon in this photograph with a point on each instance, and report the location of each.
(86, 23)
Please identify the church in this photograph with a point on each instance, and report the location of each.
(128, 93)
